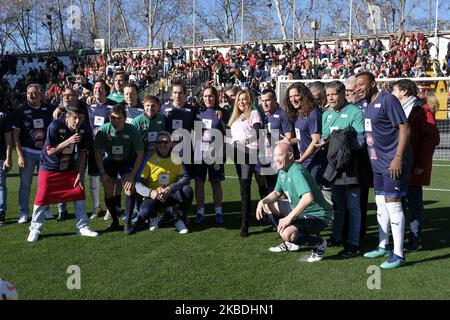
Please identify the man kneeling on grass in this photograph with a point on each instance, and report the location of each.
(163, 183)
(60, 178)
(305, 212)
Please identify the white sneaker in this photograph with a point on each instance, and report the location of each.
(285, 246)
(107, 216)
(95, 213)
(181, 227)
(86, 232)
(48, 215)
(23, 219)
(318, 253)
(34, 235)
(154, 223)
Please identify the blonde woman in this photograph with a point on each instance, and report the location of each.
(245, 124)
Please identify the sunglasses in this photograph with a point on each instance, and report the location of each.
(163, 142)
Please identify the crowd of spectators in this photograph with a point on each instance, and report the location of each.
(254, 66)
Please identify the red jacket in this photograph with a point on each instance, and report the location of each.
(424, 139)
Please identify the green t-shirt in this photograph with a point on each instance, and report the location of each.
(116, 96)
(350, 115)
(149, 128)
(298, 181)
(119, 146)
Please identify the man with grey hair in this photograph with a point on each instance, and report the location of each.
(305, 213)
(30, 123)
(317, 89)
(345, 182)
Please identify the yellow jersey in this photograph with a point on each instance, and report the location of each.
(158, 172)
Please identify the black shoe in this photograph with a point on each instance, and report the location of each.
(62, 216)
(128, 229)
(113, 227)
(350, 251)
(244, 234)
(333, 242)
(2, 217)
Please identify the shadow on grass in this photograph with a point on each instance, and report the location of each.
(435, 233)
(232, 218)
(52, 235)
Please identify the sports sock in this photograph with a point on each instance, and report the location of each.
(218, 210)
(201, 211)
(383, 221)
(129, 207)
(398, 225)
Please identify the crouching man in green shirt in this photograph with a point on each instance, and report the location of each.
(305, 212)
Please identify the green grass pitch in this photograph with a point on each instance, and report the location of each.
(213, 262)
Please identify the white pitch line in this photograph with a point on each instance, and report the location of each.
(441, 165)
(427, 189)
(431, 189)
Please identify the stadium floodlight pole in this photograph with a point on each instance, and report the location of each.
(193, 24)
(109, 25)
(436, 39)
(293, 24)
(350, 28)
(242, 22)
(150, 40)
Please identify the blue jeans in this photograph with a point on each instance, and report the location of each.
(414, 202)
(3, 188)
(26, 179)
(347, 197)
(81, 217)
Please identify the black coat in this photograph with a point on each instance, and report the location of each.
(347, 164)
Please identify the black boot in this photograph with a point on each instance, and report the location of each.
(246, 205)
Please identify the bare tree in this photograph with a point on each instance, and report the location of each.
(283, 16)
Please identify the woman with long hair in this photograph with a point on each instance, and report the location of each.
(211, 117)
(245, 124)
(307, 117)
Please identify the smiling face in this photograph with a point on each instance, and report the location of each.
(99, 92)
(243, 101)
(130, 95)
(295, 98)
(209, 98)
(164, 145)
(282, 156)
(119, 82)
(69, 97)
(34, 97)
(151, 108)
(364, 87)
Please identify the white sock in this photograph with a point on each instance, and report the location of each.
(218, 210)
(95, 190)
(383, 221)
(201, 211)
(398, 225)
